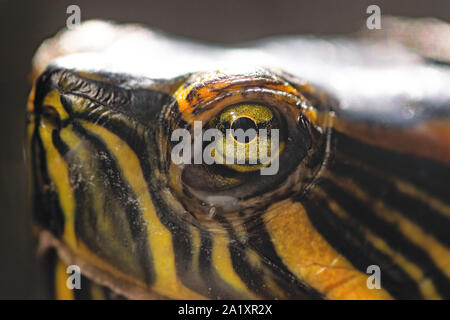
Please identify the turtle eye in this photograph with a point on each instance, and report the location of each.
(247, 136)
(246, 141)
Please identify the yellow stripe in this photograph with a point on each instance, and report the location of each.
(415, 192)
(59, 175)
(309, 256)
(425, 284)
(413, 232)
(405, 187)
(255, 261)
(29, 160)
(30, 102)
(224, 267)
(159, 237)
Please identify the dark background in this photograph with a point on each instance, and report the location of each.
(25, 24)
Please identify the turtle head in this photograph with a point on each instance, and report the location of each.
(250, 183)
(157, 184)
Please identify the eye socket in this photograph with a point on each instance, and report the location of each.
(215, 111)
(231, 186)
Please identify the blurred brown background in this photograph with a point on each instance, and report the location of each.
(24, 24)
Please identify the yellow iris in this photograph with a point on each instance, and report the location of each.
(247, 136)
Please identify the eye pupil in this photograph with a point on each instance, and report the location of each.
(245, 124)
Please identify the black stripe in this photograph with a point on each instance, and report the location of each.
(259, 240)
(216, 287)
(47, 211)
(111, 295)
(60, 145)
(84, 293)
(364, 214)
(49, 263)
(350, 241)
(205, 265)
(253, 278)
(427, 174)
(385, 190)
(66, 105)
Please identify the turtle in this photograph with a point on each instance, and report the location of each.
(357, 208)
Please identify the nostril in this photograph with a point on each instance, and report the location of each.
(50, 115)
